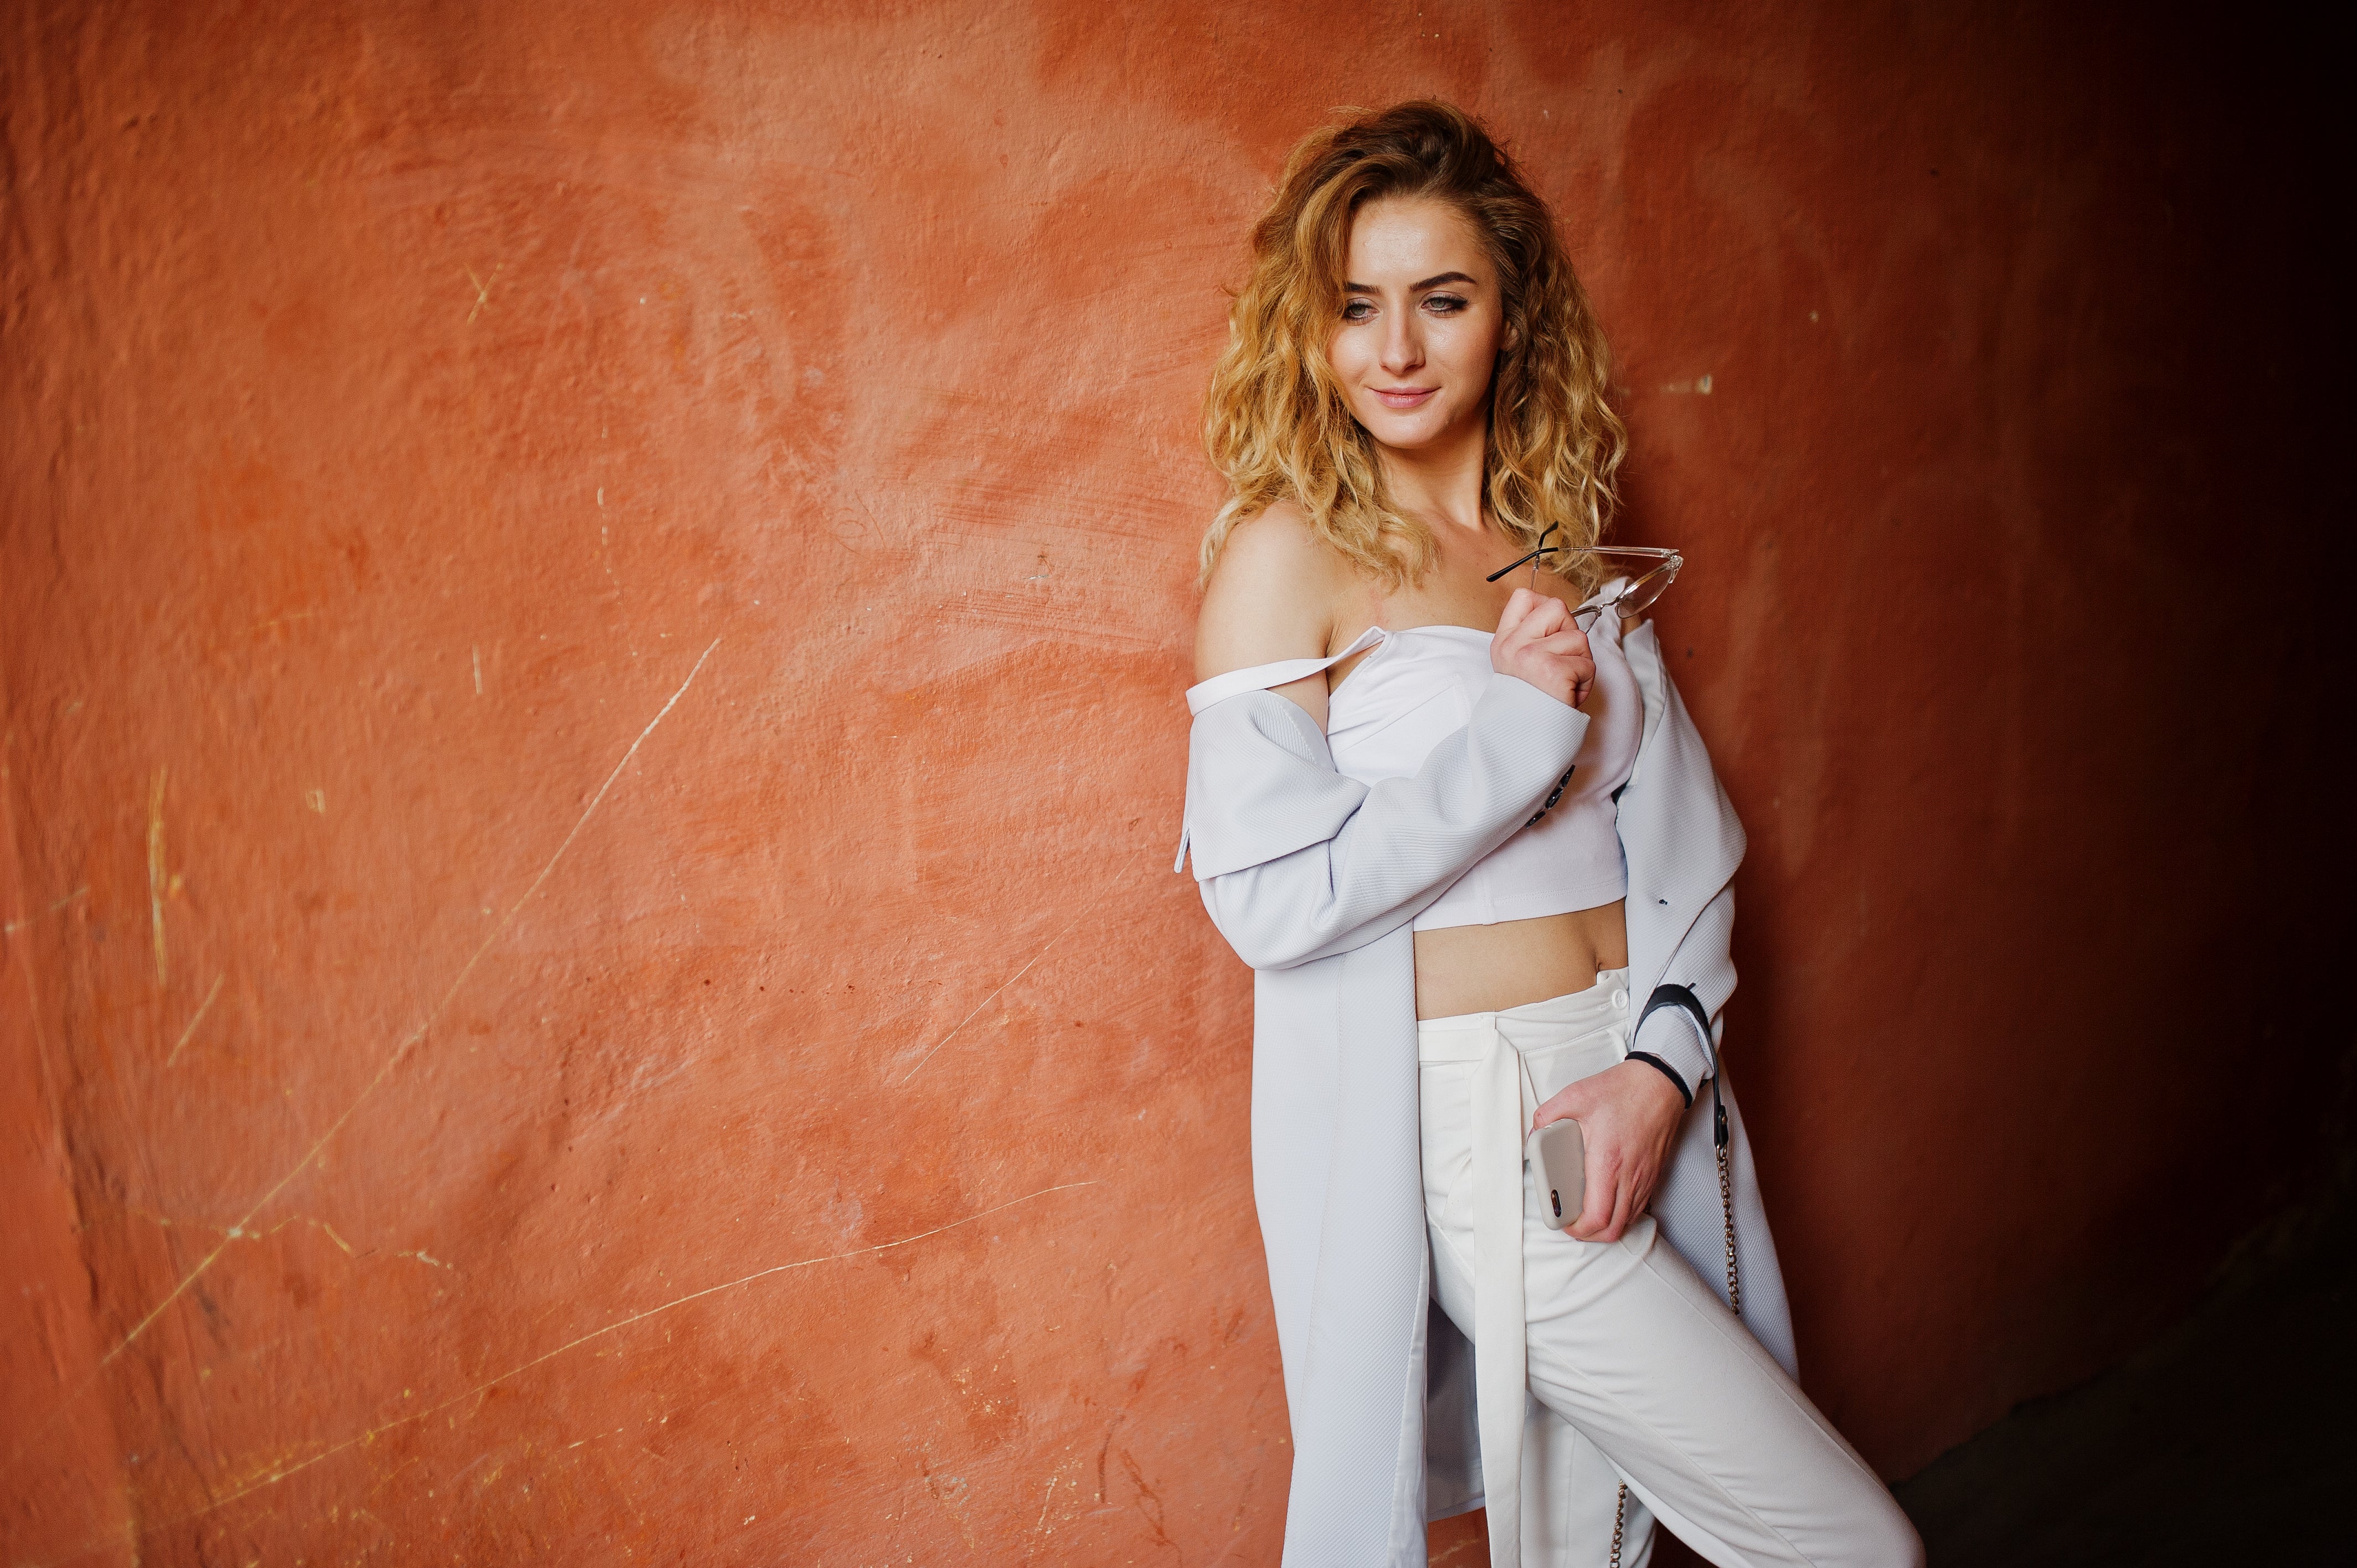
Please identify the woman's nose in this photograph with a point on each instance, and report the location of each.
(1403, 345)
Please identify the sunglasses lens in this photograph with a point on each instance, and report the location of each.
(1641, 593)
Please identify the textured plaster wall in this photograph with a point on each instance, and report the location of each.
(592, 607)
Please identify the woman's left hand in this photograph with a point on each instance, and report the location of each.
(1627, 1116)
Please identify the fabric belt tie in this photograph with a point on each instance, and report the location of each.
(1504, 1101)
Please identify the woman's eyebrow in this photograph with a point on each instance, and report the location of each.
(1433, 282)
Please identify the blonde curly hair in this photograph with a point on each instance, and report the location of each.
(1278, 425)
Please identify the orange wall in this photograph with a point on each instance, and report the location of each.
(592, 608)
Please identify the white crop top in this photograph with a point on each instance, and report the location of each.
(1417, 688)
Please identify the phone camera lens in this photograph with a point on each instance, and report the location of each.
(1557, 1198)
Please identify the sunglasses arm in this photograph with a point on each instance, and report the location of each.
(1546, 550)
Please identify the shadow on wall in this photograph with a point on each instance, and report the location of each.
(2231, 1439)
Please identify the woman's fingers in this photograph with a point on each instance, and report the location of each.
(1603, 1193)
(1608, 1209)
(1575, 1101)
(1640, 1191)
(1545, 618)
(1575, 662)
(1611, 1208)
(1624, 1208)
(1530, 615)
(1537, 641)
(1510, 620)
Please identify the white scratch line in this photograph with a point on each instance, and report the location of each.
(202, 1008)
(516, 1371)
(482, 291)
(1045, 1500)
(1012, 977)
(13, 927)
(156, 868)
(402, 1050)
(987, 1000)
(478, 652)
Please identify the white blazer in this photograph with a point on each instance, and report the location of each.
(1315, 880)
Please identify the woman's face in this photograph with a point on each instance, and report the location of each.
(1422, 324)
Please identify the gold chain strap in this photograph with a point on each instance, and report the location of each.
(1734, 1299)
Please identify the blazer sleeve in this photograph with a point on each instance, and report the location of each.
(1296, 863)
(1683, 844)
(1704, 964)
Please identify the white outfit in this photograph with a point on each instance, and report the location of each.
(1315, 879)
(1417, 688)
(1636, 1370)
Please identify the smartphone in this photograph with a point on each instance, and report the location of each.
(1558, 1156)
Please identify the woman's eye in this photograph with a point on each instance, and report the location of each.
(1357, 310)
(1444, 303)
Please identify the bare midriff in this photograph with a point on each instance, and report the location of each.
(1488, 968)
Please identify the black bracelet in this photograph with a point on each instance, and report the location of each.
(1666, 1071)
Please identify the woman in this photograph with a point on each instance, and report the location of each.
(1450, 930)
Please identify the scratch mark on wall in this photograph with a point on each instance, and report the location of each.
(482, 291)
(1471, 1552)
(24, 955)
(993, 996)
(401, 1051)
(478, 652)
(241, 1233)
(480, 1390)
(1120, 880)
(202, 1008)
(606, 560)
(155, 872)
(13, 927)
(394, 1059)
(394, 1474)
(1146, 1494)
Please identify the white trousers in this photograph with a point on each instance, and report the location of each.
(1598, 1363)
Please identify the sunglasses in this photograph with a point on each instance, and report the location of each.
(1644, 575)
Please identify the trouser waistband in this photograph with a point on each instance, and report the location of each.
(1465, 1036)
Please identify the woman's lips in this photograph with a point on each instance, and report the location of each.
(1404, 398)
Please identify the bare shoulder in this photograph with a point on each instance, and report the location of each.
(1271, 597)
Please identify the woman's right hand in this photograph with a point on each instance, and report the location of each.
(1536, 642)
